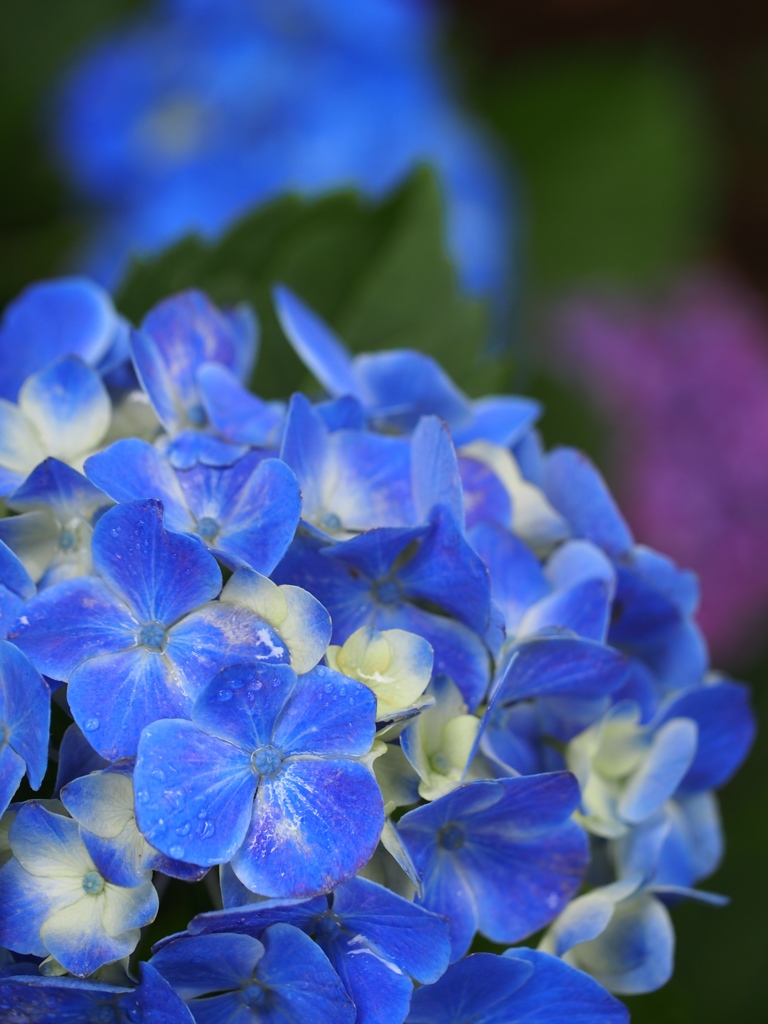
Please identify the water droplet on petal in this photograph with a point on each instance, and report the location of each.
(91, 724)
(177, 852)
(183, 830)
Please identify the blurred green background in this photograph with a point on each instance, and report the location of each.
(637, 134)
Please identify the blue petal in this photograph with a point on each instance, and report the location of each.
(25, 711)
(26, 905)
(71, 622)
(481, 989)
(672, 750)
(374, 553)
(69, 407)
(578, 492)
(216, 636)
(558, 994)
(328, 715)
(446, 571)
(380, 992)
(14, 578)
(76, 757)
(315, 344)
(12, 769)
(315, 823)
(726, 730)
(55, 485)
(155, 998)
(290, 958)
(192, 446)
(408, 936)
(635, 952)
(114, 696)
(487, 501)
(242, 703)
(561, 666)
(160, 574)
(403, 385)
(193, 792)
(51, 319)
(229, 962)
(234, 412)
(256, 504)
(435, 478)
(377, 481)
(255, 917)
(34, 538)
(305, 449)
(42, 1000)
(500, 419)
(131, 470)
(344, 413)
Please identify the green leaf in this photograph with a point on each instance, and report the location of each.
(378, 273)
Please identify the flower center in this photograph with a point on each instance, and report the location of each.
(451, 837)
(266, 760)
(207, 528)
(68, 540)
(388, 592)
(152, 635)
(253, 994)
(196, 415)
(93, 883)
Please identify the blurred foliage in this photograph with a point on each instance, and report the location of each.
(615, 160)
(377, 272)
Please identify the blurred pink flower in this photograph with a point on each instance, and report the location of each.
(684, 386)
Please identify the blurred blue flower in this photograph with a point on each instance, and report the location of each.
(190, 115)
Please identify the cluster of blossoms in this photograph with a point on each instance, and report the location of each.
(190, 114)
(683, 384)
(386, 670)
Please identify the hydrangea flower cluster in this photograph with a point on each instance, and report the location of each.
(184, 118)
(383, 669)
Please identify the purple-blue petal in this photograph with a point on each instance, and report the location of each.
(193, 792)
(328, 715)
(160, 575)
(25, 711)
(241, 704)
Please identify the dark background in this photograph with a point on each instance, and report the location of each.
(637, 136)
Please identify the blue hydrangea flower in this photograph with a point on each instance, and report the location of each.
(25, 718)
(63, 411)
(142, 639)
(268, 774)
(281, 977)
(377, 941)
(520, 987)
(56, 902)
(246, 513)
(385, 576)
(52, 533)
(498, 857)
(177, 338)
(69, 316)
(40, 1000)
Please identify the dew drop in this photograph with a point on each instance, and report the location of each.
(329, 687)
(91, 724)
(183, 830)
(176, 851)
(224, 693)
(203, 812)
